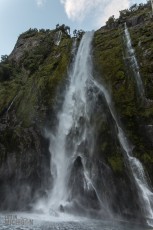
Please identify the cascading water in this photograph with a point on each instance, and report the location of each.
(74, 175)
(74, 133)
(138, 174)
(72, 128)
(134, 64)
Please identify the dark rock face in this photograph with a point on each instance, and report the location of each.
(80, 190)
(134, 21)
(104, 193)
(23, 157)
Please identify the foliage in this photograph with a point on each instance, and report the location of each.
(110, 21)
(65, 29)
(78, 33)
(112, 68)
(4, 58)
(43, 68)
(29, 33)
(5, 72)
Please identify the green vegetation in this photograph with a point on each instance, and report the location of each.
(32, 74)
(142, 38)
(109, 61)
(112, 68)
(35, 77)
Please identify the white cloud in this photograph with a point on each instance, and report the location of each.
(78, 10)
(40, 2)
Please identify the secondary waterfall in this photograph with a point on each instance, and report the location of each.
(135, 166)
(134, 64)
(72, 125)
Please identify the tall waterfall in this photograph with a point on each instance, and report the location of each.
(135, 166)
(134, 64)
(72, 125)
(74, 132)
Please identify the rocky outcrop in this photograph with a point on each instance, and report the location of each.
(23, 45)
(134, 21)
(24, 151)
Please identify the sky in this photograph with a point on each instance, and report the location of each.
(17, 16)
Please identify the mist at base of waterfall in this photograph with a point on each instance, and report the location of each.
(61, 222)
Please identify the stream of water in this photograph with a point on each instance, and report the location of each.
(134, 64)
(138, 174)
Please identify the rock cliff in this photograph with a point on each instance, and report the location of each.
(32, 82)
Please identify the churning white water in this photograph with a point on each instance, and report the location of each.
(134, 64)
(137, 171)
(74, 110)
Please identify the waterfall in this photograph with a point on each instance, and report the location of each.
(73, 142)
(72, 128)
(135, 166)
(134, 64)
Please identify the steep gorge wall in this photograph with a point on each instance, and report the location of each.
(35, 73)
